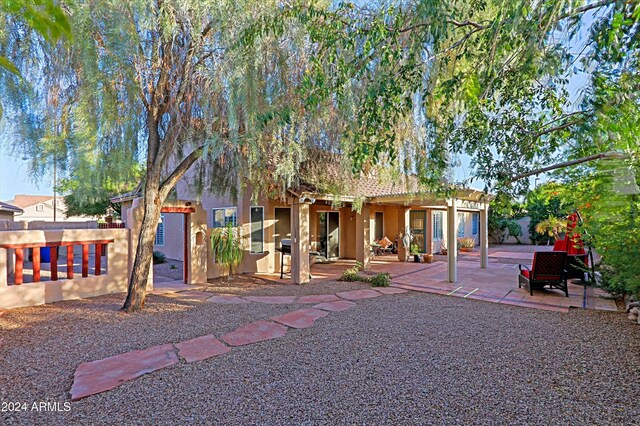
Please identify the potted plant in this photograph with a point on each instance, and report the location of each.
(415, 252)
(466, 244)
(443, 249)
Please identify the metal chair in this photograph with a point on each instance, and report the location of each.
(548, 268)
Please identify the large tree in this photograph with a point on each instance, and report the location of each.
(166, 84)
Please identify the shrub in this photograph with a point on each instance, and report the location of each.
(415, 249)
(467, 242)
(159, 257)
(353, 274)
(380, 280)
(227, 247)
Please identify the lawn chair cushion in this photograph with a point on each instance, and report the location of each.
(525, 273)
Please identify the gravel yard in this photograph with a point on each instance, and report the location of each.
(401, 359)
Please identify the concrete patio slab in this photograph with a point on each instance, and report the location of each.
(272, 300)
(201, 348)
(94, 377)
(254, 332)
(338, 306)
(302, 318)
(318, 298)
(358, 294)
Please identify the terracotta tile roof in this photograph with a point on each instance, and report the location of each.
(6, 207)
(23, 200)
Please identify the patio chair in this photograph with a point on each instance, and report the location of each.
(548, 268)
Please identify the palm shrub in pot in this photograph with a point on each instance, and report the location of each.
(415, 252)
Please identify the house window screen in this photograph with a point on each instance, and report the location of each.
(257, 229)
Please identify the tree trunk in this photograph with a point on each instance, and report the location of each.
(144, 251)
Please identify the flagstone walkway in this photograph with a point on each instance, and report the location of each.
(91, 378)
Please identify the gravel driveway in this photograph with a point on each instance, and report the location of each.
(401, 359)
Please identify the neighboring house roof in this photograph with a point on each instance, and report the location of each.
(6, 207)
(127, 196)
(23, 200)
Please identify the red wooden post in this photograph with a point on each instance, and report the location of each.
(36, 264)
(69, 262)
(19, 266)
(85, 260)
(54, 263)
(98, 259)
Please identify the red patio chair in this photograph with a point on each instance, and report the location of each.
(548, 268)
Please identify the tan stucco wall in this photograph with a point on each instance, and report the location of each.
(6, 215)
(30, 294)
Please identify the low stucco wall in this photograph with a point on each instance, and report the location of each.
(30, 294)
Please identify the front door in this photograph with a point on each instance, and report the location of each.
(329, 234)
(418, 220)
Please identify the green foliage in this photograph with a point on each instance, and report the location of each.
(467, 242)
(552, 227)
(415, 249)
(551, 200)
(504, 212)
(159, 257)
(353, 274)
(43, 17)
(380, 280)
(226, 246)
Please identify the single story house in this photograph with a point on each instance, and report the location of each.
(330, 225)
(9, 211)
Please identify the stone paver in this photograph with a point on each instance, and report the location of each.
(200, 348)
(318, 298)
(389, 290)
(227, 300)
(274, 300)
(358, 294)
(94, 377)
(191, 295)
(302, 318)
(254, 332)
(340, 305)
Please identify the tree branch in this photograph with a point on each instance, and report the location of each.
(182, 168)
(608, 155)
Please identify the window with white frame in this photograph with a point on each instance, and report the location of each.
(460, 225)
(40, 207)
(257, 229)
(225, 216)
(476, 223)
(437, 226)
(160, 232)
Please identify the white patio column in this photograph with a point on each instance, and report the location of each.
(484, 236)
(452, 240)
(404, 220)
(300, 268)
(363, 236)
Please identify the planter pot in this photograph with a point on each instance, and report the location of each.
(466, 249)
(428, 258)
(444, 252)
(416, 258)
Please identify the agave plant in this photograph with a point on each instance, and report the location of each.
(227, 247)
(552, 227)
